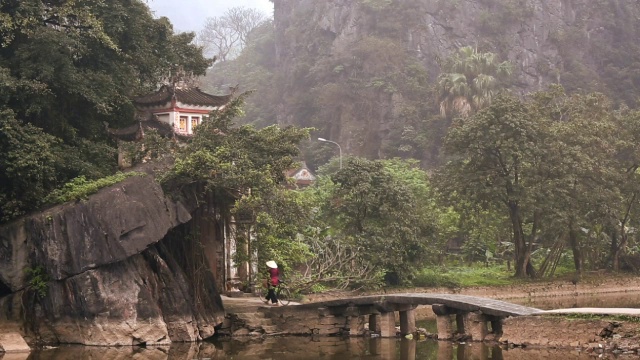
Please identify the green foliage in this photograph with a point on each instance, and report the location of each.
(495, 155)
(27, 166)
(280, 216)
(152, 146)
(469, 81)
(434, 278)
(80, 188)
(38, 280)
(482, 276)
(541, 162)
(378, 207)
(463, 277)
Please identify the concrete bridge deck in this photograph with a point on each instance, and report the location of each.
(461, 303)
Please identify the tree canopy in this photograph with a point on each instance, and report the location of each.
(68, 67)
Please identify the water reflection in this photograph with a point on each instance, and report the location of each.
(334, 348)
(325, 348)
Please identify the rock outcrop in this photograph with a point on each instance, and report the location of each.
(100, 272)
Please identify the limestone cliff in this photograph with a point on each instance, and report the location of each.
(325, 46)
(108, 271)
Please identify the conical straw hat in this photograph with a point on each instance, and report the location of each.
(272, 264)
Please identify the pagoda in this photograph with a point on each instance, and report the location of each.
(173, 111)
(181, 107)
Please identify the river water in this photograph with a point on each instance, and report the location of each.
(337, 348)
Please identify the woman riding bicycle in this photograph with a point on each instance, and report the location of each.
(272, 282)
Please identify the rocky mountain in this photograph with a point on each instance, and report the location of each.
(363, 72)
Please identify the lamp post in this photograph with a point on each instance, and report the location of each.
(339, 148)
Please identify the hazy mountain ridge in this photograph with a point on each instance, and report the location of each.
(363, 72)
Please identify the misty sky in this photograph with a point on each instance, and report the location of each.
(189, 15)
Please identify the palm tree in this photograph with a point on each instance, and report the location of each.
(469, 82)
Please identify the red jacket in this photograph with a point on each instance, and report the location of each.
(275, 276)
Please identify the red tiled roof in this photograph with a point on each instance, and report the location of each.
(191, 96)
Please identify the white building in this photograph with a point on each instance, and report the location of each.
(183, 108)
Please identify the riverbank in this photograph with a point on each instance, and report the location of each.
(593, 334)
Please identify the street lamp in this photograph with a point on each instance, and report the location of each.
(339, 148)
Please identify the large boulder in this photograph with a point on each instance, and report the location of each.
(96, 272)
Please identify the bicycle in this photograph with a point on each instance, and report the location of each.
(282, 293)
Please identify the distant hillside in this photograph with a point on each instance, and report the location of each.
(364, 72)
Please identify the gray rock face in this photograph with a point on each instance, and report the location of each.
(112, 281)
(547, 41)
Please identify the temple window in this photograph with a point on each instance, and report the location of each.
(194, 122)
(183, 123)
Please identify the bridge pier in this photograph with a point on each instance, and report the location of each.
(472, 323)
(383, 323)
(445, 328)
(388, 324)
(374, 323)
(407, 320)
(355, 325)
(475, 325)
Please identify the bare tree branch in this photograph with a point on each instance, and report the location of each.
(226, 36)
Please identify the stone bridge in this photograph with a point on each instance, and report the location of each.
(472, 316)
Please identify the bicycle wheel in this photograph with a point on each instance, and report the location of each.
(263, 297)
(284, 296)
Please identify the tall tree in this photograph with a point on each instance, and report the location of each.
(583, 145)
(378, 207)
(623, 211)
(496, 155)
(469, 81)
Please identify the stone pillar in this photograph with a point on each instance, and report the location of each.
(407, 349)
(356, 325)
(445, 328)
(374, 323)
(475, 324)
(460, 326)
(407, 322)
(388, 324)
(496, 326)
